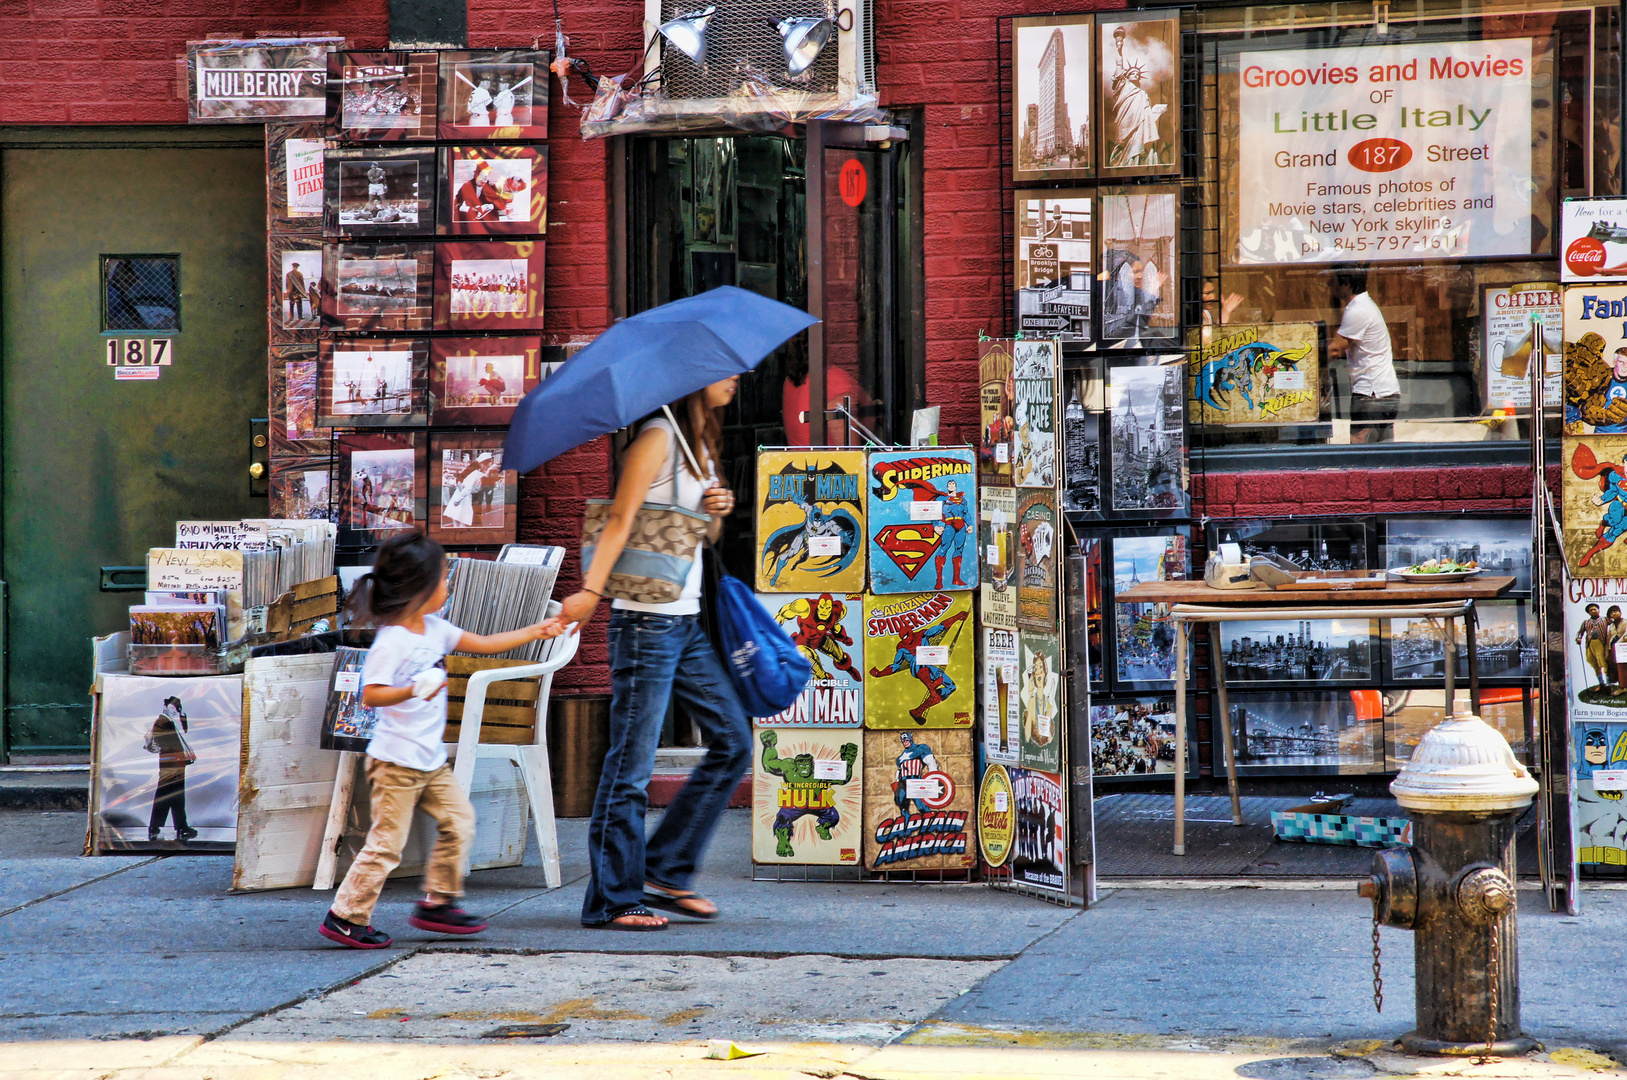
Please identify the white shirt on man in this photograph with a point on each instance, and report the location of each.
(1372, 364)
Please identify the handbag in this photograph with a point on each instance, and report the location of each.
(767, 670)
(655, 562)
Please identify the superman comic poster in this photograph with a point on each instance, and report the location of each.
(806, 801)
(1037, 551)
(810, 521)
(919, 653)
(997, 395)
(920, 793)
(1599, 759)
(1593, 490)
(828, 630)
(997, 533)
(923, 519)
(1255, 374)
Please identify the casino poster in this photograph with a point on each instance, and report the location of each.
(1039, 695)
(828, 630)
(919, 661)
(997, 543)
(806, 796)
(997, 394)
(810, 521)
(920, 798)
(1265, 374)
(1599, 761)
(1039, 544)
(923, 519)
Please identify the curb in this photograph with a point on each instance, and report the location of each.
(45, 791)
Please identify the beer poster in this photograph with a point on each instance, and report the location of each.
(919, 655)
(1594, 511)
(1600, 813)
(806, 801)
(1033, 451)
(922, 519)
(1037, 551)
(1520, 325)
(1002, 740)
(997, 400)
(997, 535)
(828, 630)
(996, 817)
(810, 521)
(1039, 849)
(1255, 374)
(1039, 681)
(920, 792)
(1595, 362)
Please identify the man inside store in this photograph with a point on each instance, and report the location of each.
(1363, 343)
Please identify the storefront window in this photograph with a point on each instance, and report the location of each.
(1396, 179)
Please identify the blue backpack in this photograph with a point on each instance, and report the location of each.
(767, 670)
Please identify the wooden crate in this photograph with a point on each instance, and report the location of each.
(510, 715)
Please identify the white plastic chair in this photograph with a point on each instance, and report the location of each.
(532, 761)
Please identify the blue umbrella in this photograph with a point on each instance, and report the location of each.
(644, 362)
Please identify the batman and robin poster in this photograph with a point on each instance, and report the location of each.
(920, 794)
(810, 521)
(923, 519)
(919, 658)
(1255, 374)
(828, 630)
(806, 796)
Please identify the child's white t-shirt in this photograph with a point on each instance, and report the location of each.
(412, 732)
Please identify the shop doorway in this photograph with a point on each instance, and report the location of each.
(116, 233)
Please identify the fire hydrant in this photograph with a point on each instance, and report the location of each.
(1454, 887)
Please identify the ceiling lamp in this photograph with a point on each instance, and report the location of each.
(805, 37)
(688, 33)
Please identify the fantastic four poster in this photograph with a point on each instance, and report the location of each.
(806, 796)
(1255, 374)
(1595, 363)
(920, 793)
(828, 630)
(923, 520)
(810, 521)
(919, 655)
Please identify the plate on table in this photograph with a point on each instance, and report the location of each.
(1415, 574)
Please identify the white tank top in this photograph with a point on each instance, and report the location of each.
(675, 485)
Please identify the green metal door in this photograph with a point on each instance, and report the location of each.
(95, 471)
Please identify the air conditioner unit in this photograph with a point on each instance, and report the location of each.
(741, 39)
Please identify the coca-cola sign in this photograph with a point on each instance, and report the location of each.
(1593, 236)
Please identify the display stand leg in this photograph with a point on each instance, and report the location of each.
(1180, 736)
(1217, 667)
(1449, 650)
(344, 789)
(1469, 620)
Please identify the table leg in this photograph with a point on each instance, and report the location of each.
(1469, 620)
(1180, 736)
(1450, 651)
(1217, 666)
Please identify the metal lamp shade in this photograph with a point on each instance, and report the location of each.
(805, 38)
(688, 33)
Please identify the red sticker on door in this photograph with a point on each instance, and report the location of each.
(854, 182)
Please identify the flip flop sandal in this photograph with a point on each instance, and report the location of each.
(673, 902)
(635, 928)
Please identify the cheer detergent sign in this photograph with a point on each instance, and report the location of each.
(1385, 152)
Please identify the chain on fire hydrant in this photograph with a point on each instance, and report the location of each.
(1454, 887)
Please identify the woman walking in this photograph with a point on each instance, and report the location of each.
(658, 651)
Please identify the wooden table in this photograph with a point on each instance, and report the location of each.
(1195, 602)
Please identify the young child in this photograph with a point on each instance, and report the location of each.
(404, 678)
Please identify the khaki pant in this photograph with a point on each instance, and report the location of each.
(397, 792)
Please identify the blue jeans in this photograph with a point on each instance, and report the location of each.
(653, 657)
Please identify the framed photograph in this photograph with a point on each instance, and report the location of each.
(381, 96)
(1310, 650)
(1147, 405)
(1055, 272)
(1333, 732)
(293, 289)
(1082, 399)
(1332, 547)
(167, 762)
(489, 285)
(1140, 262)
(473, 499)
(1052, 80)
(294, 393)
(1144, 638)
(495, 191)
(1140, 88)
(494, 94)
(301, 488)
(1264, 374)
(1501, 545)
(1505, 644)
(1134, 739)
(1521, 325)
(380, 192)
(477, 382)
(1410, 713)
(383, 484)
(294, 176)
(374, 382)
(258, 81)
(369, 287)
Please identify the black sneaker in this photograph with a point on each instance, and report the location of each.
(352, 936)
(184, 835)
(445, 919)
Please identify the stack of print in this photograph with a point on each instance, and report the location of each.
(417, 211)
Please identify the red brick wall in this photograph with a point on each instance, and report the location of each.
(1360, 491)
